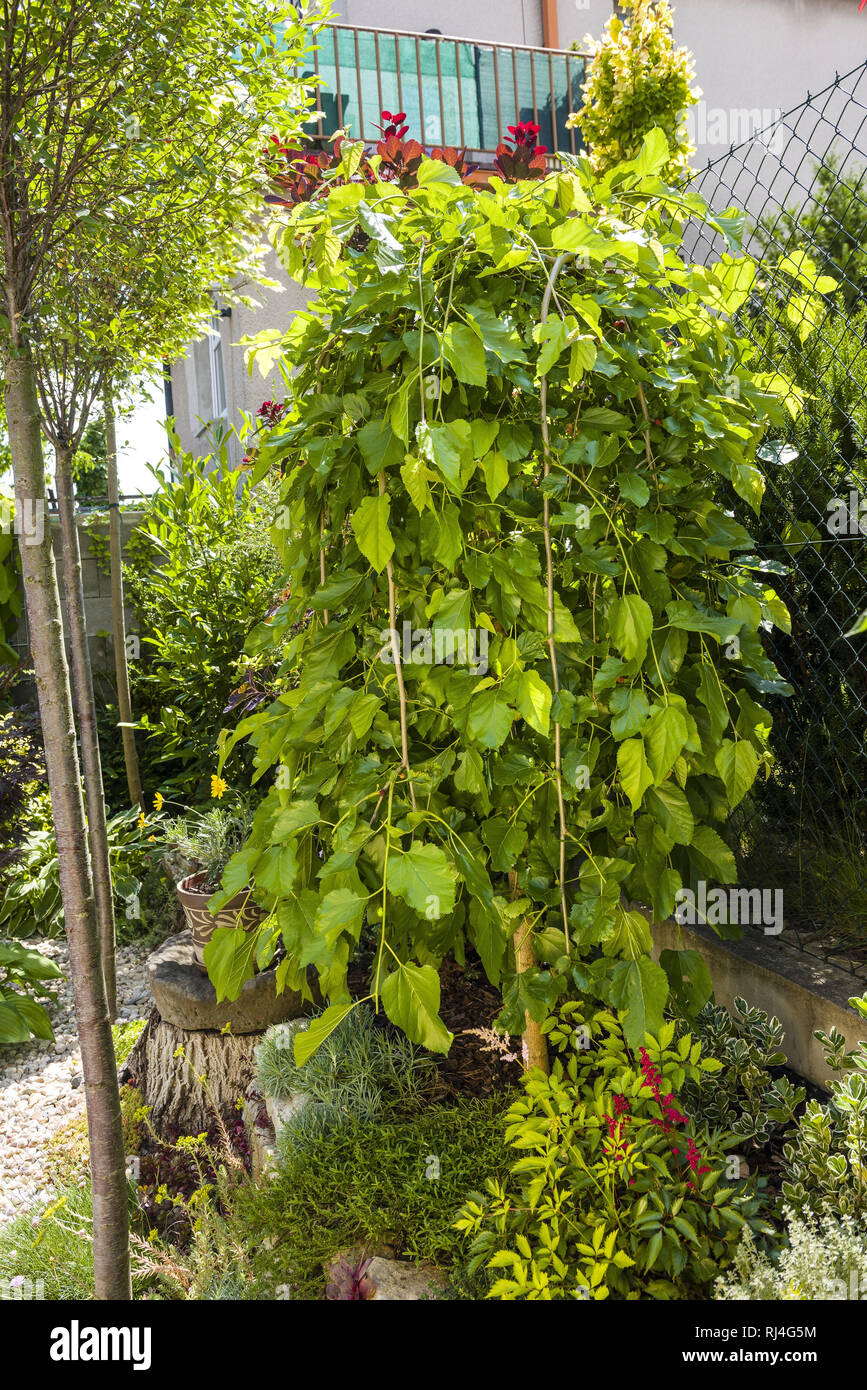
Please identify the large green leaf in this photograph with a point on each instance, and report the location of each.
(465, 354)
(635, 775)
(639, 989)
(712, 855)
(340, 911)
(665, 735)
(313, 1036)
(737, 765)
(370, 524)
(534, 701)
(670, 808)
(490, 719)
(230, 960)
(630, 622)
(411, 998)
(424, 878)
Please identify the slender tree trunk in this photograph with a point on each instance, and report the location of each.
(535, 1046)
(85, 705)
(110, 1213)
(118, 614)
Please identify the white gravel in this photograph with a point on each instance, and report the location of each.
(41, 1083)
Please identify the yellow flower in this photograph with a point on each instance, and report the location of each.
(142, 821)
(218, 786)
(158, 801)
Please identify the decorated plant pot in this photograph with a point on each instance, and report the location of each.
(240, 913)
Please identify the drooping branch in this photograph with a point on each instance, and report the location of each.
(398, 667)
(549, 561)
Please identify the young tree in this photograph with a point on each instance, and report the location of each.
(637, 79)
(76, 82)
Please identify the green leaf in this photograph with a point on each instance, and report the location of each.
(713, 855)
(489, 936)
(665, 735)
(370, 524)
(630, 709)
(688, 977)
(450, 448)
(464, 351)
(670, 808)
(505, 842)
(639, 989)
(13, 1026)
(635, 775)
(653, 155)
(363, 712)
(749, 484)
(553, 337)
(449, 541)
(737, 765)
(311, 1039)
(424, 878)
(411, 999)
(298, 815)
(340, 911)
(534, 702)
(630, 623)
(469, 774)
(416, 478)
(490, 719)
(388, 253)
(277, 870)
(230, 960)
(495, 467)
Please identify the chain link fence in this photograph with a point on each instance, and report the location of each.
(802, 182)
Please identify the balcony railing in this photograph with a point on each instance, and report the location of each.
(453, 91)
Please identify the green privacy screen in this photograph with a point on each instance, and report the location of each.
(453, 93)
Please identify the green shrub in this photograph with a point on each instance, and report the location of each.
(30, 903)
(22, 778)
(25, 976)
(637, 80)
(398, 1183)
(614, 1191)
(826, 1156)
(822, 1258)
(742, 1098)
(363, 1071)
(201, 573)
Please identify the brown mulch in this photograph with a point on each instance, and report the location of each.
(467, 1002)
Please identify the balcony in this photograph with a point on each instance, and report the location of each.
(454, 91)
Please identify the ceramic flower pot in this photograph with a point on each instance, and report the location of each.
(240, 912)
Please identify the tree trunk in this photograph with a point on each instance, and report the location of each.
(535, 1047)
(118, 614)
(167, 1065)
(110, 1214)
(85, 707)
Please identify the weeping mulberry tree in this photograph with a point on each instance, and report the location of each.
(507, 414)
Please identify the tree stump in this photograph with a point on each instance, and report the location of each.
(183, 1041)
(167, 1065)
